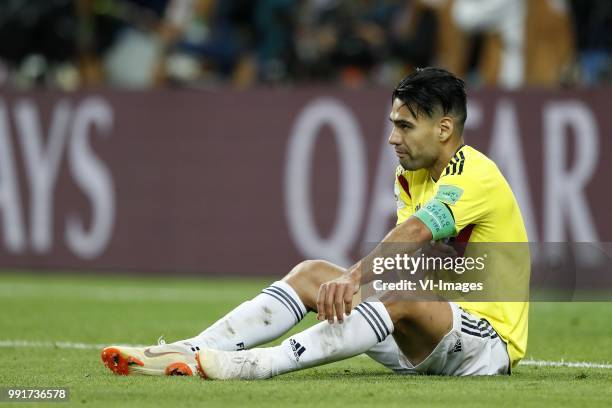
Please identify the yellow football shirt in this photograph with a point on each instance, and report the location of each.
(485, 211)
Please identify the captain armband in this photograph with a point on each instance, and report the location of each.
(438, 218)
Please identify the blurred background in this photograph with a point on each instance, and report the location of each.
(211, 145)
(239, 137)
(70, 44)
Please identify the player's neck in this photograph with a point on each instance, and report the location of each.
(449, 151)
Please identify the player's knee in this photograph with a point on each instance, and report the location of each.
(307, 272)
(305, 278)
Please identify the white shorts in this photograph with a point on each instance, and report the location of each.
(472, 347)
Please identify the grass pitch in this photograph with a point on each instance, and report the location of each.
(40, 310)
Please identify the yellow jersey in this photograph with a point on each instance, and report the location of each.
(485, 211)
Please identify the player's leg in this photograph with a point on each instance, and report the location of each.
(470, 346)
(307, 278)
(419, 325)
(415, 341)
(264, 318)
(272, 313)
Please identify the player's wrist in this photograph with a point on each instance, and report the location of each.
(354, 274)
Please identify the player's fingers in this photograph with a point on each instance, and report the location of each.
(321, 302)
(348, 301)
(339, 302)
(329, 302)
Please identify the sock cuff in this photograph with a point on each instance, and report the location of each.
(285, 294)
(376, 315)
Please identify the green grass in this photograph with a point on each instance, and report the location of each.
(106, 310)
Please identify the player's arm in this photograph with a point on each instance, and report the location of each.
(432, 222)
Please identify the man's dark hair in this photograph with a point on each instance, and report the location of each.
(428, 88)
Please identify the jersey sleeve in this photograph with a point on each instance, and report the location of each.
(403, 199)
(466, 197)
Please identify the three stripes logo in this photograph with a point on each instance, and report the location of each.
(456, 164)
(286, 300)
(456, 348)
(478, 328)
(297, 348)
(373, 318)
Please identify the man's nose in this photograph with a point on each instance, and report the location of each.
(394, 138)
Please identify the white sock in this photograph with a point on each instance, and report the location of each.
(367, 325)
(268, 316)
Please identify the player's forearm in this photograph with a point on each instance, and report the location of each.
(407, 238)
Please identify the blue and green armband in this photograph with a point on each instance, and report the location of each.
(438, 218)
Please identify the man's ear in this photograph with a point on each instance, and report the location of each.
(447, 126)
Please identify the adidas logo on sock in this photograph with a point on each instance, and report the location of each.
(297, 348)
(240, 346)
(456, 348)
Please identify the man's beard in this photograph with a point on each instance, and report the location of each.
(409, 165)
(416, 165)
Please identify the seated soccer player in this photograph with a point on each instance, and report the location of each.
(444, 188)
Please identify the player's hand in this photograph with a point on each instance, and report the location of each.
(336, 297)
